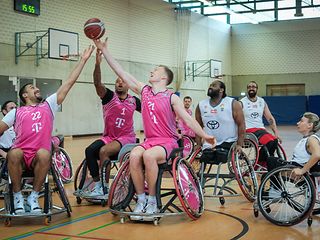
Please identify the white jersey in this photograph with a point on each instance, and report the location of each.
(300, 153)
(7, 138)
(253, 112)
(218, 121)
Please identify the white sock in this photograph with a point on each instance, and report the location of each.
(152, 199)
(141, 197)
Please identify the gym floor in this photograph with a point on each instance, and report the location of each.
(234, 220)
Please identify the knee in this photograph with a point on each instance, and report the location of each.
(148, 159)
(135, 160)
(15, 156)
(89, 152)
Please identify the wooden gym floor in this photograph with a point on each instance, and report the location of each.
(234, 220)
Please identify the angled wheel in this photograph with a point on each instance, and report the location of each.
(188, 146)
(285, 199)
(122, 189)
(280, 152)
(82, 179)
(188, 188)
(61, 192)
(245, 175)
(194, 161)
(63, 164)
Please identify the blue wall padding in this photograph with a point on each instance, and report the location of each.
(314, 104)
(287, 109)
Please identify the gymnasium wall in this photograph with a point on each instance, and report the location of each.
(286, 52)
(142, 34)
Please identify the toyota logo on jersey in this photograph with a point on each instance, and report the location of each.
(254, 115)
(213, 124)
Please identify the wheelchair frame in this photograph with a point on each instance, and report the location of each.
(49, 209)
(83, 182)
(236, 164)
(122, 193)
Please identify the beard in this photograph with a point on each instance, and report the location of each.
(252, 94)
(213, 93)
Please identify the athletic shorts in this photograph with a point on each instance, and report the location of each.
(167, 143)
(262, 134)
(29, 155)
(122, 140)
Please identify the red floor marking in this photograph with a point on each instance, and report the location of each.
(68, 235)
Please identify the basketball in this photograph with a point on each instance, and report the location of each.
(94, 28)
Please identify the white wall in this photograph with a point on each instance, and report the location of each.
(142, 34)
(286, 52)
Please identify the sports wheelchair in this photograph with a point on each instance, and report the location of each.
(239, 168)
(286, 199)
(51, 185)
(61, 159)
(188, 146)
(186, 187)
(83, 183)
(260, 165)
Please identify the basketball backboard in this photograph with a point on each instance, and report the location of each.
(63, 44)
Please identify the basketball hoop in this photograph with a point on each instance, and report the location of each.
(70, 57)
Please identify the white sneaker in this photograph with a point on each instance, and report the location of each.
(18, 202)
(151, 208)
(33, 203)
(139, 208)
(96, 191)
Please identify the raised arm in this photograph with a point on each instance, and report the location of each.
(67, 85)
(272, 122)
(199, 120)
(133, 83)
(191, 123)
(100, 88)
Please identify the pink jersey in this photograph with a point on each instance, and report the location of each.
(185, 130)
(33, 126)
(118, 117)
(159, 120)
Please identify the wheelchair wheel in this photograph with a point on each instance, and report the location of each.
(122, 189)
(188, 146)
(245, 175)
(82, 179)
(60, 189)
(3, 176)
(188, 188)
(285, 199)
(280, 152)
(63, 164)
(105, 176)
(194, 161)
(250, 149)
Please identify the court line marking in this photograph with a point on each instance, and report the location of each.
(71, 236)
(245, 226)
(28, 234)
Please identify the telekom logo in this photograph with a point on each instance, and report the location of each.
(36, 127)
(119, 122)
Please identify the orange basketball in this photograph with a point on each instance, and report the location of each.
(94, 28)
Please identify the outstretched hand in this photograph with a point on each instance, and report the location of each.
(87, 53)
(211, 140)
(298, 171)
(100, 44)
